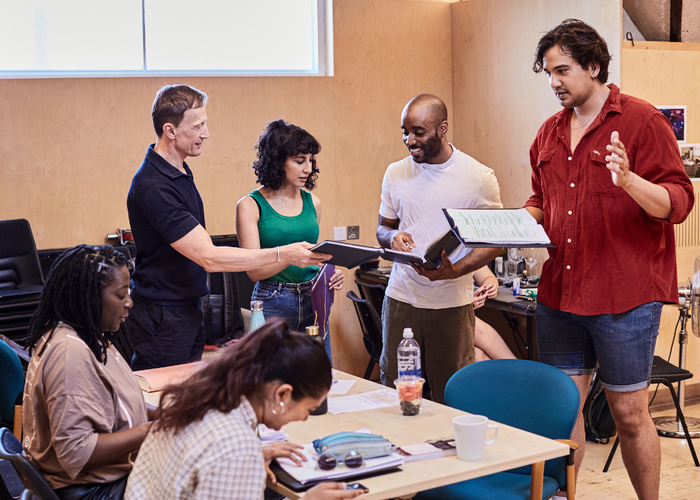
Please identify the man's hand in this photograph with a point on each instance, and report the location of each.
(446, 271)
(402, 241)
(618, 164)
(283, 449)
(298, 254)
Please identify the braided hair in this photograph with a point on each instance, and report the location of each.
(72, 295)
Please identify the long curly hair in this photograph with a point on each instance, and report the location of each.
(72, 295)
(578, 40)
(281, 140)
(272, 353)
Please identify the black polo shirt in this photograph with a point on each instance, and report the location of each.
(164, 205)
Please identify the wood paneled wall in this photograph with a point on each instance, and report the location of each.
(71, 146)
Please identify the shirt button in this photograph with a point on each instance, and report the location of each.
(569, 240)
(572, 184)
(568, 267)
(569, 158)
(570, 212)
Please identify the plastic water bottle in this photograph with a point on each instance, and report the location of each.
(313, 332)
(256, 315)
(408, 355)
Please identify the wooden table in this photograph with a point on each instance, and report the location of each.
(513, 448)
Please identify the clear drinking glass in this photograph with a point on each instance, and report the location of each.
(531, 257)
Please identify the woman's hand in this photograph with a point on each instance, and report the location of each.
(336, 281)
(491, 288)
(479, 298)
(331, 491)
(283, 449)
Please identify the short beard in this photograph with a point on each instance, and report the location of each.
(432, 148)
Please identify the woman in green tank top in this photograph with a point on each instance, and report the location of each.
(280, 212)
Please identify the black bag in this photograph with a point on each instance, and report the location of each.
(597, 419)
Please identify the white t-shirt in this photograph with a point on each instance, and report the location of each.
(416, 193)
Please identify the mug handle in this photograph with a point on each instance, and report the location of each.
(495, 434)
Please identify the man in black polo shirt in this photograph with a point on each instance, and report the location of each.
(173, 250)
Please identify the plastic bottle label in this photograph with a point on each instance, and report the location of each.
(407, 366)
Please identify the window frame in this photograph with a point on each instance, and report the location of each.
(323, 59)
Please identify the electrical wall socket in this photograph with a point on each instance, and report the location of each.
(340, 233)
(353, 232)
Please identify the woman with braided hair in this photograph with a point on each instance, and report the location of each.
(203, 443)
(84, 414)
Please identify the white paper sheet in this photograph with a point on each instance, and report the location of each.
(365, 401)
(340, 387)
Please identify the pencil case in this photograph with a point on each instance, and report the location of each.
(342, 443)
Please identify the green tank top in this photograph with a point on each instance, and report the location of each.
(278, 230)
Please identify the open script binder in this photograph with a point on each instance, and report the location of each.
(497, 228)
(350, 255)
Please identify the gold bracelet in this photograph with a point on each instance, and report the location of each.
(278, 256)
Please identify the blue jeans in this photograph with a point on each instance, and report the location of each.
(622, 345)
(292, 303)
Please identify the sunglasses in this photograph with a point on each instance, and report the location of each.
(328, 461)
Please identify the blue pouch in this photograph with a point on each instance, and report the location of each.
(341, 444)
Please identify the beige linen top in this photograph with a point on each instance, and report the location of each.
(70, 398)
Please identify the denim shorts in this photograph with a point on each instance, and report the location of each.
(291, 302)
(622, 345)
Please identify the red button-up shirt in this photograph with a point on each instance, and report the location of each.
(610, 255)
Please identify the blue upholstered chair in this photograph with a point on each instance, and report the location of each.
(525, 394)
(11, 387)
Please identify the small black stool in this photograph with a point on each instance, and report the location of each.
(663, 372)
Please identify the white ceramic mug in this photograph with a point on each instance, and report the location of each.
(470, 436)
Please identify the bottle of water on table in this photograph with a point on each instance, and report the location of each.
(408, 355)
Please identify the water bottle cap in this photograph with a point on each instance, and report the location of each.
(256, 305)
(407, 333)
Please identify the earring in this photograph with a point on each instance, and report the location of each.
(274, 412)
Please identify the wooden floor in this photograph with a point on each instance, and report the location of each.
(680, 479)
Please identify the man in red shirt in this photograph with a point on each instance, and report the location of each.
(608, 184)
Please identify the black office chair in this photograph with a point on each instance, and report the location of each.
(11, 450)
(373, 293)
(371, 330)
(663, 372)
(21, 280)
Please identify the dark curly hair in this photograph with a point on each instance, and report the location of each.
(279, 141)
(272, 353)
(579, 41)
(72, 295)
